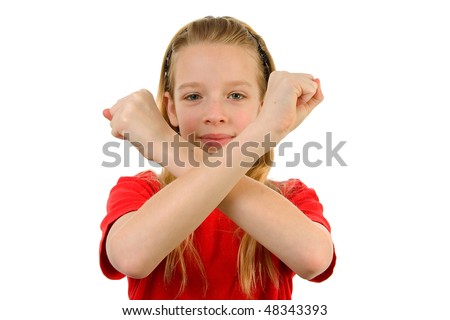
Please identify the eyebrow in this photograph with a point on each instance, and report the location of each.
(195, 85)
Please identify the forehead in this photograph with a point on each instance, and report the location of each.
(218, 61)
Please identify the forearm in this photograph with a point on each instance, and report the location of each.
(139, 242)
(268, 217)
(278, 225)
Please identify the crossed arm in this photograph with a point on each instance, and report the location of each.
(138, 241)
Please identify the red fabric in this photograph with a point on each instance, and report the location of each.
(216, 240)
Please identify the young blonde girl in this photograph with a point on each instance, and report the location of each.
(211, 225)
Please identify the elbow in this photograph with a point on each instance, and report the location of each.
(130, 269)
(316, 262)
(316, 267)
(127, 262)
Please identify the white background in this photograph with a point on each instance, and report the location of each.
(384, 67)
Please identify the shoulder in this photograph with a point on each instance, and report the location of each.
(130, 193)
(303, 197)
(149, 177)
(293, 188)
(146, 179)
(137, 188)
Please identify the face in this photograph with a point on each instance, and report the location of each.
(216, 93)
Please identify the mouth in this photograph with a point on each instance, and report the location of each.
(214, 141)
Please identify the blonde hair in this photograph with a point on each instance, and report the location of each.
(254, 261)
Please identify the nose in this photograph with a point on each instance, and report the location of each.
(215, 114)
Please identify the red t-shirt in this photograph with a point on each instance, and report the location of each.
(217, 243)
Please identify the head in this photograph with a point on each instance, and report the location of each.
(201, 34)
(213, 80)
(221, 49)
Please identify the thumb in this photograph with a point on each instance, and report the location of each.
(107, 114)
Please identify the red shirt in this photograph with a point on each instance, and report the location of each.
(217, 243)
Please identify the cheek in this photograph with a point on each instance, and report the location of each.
(245, 119)
(187, 123)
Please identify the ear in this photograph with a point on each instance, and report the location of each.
(171, 111)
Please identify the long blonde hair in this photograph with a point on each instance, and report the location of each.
(254, 261)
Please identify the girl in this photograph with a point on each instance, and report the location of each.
(211, 225)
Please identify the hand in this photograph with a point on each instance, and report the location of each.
(137, 119)
(289, 99)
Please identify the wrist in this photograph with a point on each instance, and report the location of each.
(267, 131)
(251, 144)
(178, 155)
(154, 147)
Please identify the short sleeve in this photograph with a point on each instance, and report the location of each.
(128, 195)
(308, 202)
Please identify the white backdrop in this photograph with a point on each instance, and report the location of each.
(384, 69)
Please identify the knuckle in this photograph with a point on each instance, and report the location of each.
(315, 85)
(307, 76)
(143, 96)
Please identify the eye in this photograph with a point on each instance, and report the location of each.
(192, 97)
(236, 96)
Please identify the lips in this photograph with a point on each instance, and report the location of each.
(215, 140)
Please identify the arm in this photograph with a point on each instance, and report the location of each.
(272, 220)
(140, 240)
(136, 245)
